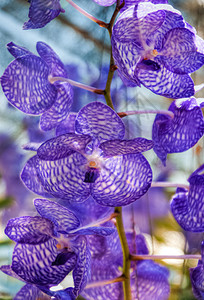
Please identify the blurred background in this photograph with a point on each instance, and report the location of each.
(85, 48)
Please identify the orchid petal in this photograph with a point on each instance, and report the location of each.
(100, 122)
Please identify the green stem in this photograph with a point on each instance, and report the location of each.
(112, 66)
(118, 210)
(126, 253)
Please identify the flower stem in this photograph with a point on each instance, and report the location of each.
(126, 253)
(97, 223)
(155, 257)
(112, 66)
(86, 14)
(104, 282)
(169, 184)
(149, 111)
(77, 84)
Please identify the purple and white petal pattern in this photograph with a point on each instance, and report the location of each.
(187, 207)
(179, 53)
(64, 178)
(81, 272)
(62, 146)
(100, 122)
(118, 147)
(197, 277)
(29, 230)
(42, 12)
(150, 281)
(30, 96)
(63, 218)
(67, 126)
(104, 231)
(113, 291)
(8, 271)
(152, 45)
(105, 2)
(180, 133)
(49, 56)
(31, 292)
(166, 83)
(31, 180)
(123, 179)
(36, 263)
(17, 51)
(129, 3)
(60, 109)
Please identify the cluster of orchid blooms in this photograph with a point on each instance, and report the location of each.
(90, 167)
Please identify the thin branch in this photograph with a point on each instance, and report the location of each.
(85, 34)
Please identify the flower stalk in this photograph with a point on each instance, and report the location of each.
(159, 257)
(126, 253)
(165, 184)
(86, 14)
(77, 84)
(148, 111)
(104, 282)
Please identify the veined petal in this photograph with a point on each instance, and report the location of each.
(187, 207)
(129, 3)
(126, 66)
(179, 53)
(57, 68)
(26, 86)
(17, 51)
(166, 83)
(31, 292)
(42, 12)
(64, 178)
(8, 271)
(60, 109)
(64, 219)
(29, 230)
(197, 277)
(123, 179)
(67, 126)
(100, 122)
(178, 134)
(34, 263)
(62, 146)
(113, 291)
(81, 272)
(118, 147)
(152, 281)
(30, 178)
(94, 230)
(105, 2)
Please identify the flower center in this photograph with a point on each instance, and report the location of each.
(92, 164)
(150, 54)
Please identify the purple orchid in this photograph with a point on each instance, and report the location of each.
(94, 160)
(197, 277)
(127, 3)
(187, 206)
(180, 133)
(50, 246)
(154, 46)
(26, 84)
(150, 278)
(42, 12)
